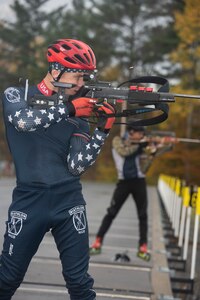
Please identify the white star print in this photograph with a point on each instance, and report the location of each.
(61, 110)
(51, 116)
(60, 119)
(80, 169)
(46, 125)
(89, 157)
(29, 113)
(95, 146)
(10, 119)
(17, 113)
(52, 108)
(37, 121)
(72, 164)
(43, 111)
(80, 156)
(21, 123)
(88, 146)
(32, 129)
(99, 137)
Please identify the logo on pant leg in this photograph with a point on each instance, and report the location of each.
(16, 223)
(79, 219)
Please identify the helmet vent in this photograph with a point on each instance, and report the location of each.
(69, 60)
(87, 58)
(77, 46)
(92, 58)
(66, 47)
(55, 49)
(80, 58)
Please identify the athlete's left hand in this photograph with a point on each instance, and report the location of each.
(105, 122)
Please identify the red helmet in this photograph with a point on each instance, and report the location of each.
(72, 54)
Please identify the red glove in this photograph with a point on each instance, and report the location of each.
(105, 123)
(81, 107)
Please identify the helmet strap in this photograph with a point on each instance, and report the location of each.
(59, 75)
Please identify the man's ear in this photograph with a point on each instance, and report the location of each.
(55, 74)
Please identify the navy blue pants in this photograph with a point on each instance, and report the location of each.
(33, 212)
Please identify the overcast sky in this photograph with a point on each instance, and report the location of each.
(6, 12)
(4, 8)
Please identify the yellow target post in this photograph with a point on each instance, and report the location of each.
(195, 236)
(185, 203)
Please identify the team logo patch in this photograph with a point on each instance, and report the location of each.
(12, 95)
(79, 219)
(16, 223)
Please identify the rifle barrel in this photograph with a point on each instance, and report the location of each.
(187, 140)
(171, 139)
(187, 96)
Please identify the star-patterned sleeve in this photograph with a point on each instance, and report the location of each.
(84, 151)
(25, 118)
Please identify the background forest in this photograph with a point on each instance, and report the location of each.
(154, 37)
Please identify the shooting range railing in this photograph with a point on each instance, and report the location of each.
(180, 206)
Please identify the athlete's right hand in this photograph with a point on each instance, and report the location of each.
(81, 107)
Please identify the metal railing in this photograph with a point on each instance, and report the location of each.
(180, 206)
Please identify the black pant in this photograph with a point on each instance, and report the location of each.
(137, 188)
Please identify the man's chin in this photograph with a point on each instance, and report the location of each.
(72, 93)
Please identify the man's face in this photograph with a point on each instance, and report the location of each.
(135, 135)
(74, 78)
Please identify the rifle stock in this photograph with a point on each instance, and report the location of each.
(132, 96)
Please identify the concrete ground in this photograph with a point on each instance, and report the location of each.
(136, 279)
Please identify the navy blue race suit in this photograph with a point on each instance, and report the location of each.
(50, 151)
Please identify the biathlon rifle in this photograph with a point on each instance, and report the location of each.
(167, 137)
(141, 100)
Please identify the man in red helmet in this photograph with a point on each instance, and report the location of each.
(51, 148)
